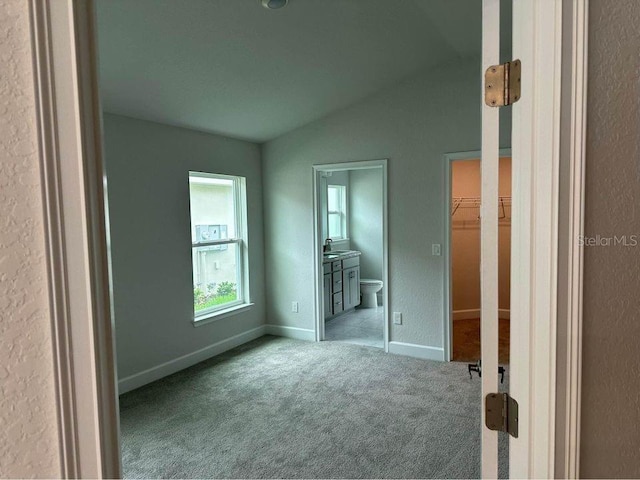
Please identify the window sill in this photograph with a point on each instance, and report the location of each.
(220, 314)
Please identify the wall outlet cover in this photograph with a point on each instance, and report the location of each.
(294, 307)
(397, 318)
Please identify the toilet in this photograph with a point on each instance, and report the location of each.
(369, 288)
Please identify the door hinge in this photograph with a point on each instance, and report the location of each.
(501, 413)
(502, 84)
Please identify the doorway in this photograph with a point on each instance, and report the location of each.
(464, 247)
(544, 154)
(462, 256)
(350, 242)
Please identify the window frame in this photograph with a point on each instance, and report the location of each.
(240, 239)
(344, 213)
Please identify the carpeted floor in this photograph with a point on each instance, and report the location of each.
(281, 408)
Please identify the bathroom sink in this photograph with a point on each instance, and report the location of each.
(339, 253)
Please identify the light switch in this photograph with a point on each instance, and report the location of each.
(435, 249)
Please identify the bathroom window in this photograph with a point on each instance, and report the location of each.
(218, 243)
(337, 211)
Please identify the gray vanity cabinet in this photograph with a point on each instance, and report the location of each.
(351, 287)
(327, 296)
(341, 286)
(351, 279)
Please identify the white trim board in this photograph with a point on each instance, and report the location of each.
(165, 369)
(69, 130)
(417, 351)
(572, 177)
(489, 168)
(468, 314)
(536, 131)
(55, 241)
(306, 334)
(177, 364)
(318, 240)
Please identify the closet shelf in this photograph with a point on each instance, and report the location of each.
(474, 202)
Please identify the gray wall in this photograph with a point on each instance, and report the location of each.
(610, 426)
(412, 124)
(365, 214)
(147, 174)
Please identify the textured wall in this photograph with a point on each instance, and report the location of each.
(412, 124)
(611, 360)
(147, 172)
(28, 427)
(366, 212)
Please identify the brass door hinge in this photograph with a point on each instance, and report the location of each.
(502, 84)
(501, 413)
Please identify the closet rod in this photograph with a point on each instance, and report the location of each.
(474, 202)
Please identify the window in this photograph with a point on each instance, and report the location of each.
(337, 211)
(218, 243)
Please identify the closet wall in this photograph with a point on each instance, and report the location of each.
(465, 238)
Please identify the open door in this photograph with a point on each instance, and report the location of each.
(500, 85)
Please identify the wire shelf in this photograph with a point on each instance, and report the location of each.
(467, 209)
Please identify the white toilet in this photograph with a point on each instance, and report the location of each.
(368, 289)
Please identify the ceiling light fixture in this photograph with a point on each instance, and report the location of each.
(274, 4)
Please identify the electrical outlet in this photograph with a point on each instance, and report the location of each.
(435, 249)
(397, 318)
(294, 307)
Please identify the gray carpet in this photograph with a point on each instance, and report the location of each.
(281, 408)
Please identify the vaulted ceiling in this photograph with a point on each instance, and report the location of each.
(235, 68)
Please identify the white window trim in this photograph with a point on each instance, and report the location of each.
(241, 240)
(220, 314)
(344, 215)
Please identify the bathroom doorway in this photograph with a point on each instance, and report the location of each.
(350, 248)
(464, 256)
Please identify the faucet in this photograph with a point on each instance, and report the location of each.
(327, 245)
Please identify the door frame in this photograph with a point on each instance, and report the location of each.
(548, 122)
(70, 149)
(69, 128)
(318, 240)
(447, 323)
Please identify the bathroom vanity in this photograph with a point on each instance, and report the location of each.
(341, 281)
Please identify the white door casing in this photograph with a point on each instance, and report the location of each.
(70, 129)
(536, 130)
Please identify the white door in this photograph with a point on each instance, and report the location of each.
(489, 235)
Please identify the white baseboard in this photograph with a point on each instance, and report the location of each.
(291, 332)
(475, 313)
(466, 314)
(172, 366)
(418, 351)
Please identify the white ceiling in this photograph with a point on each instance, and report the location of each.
(235, 68)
